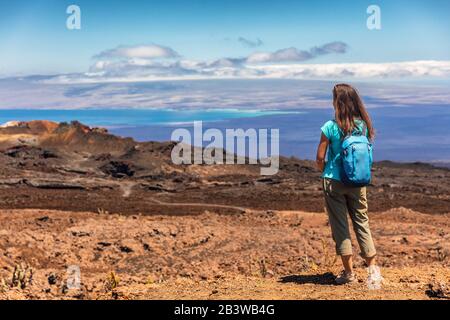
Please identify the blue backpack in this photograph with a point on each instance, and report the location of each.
(357, 159)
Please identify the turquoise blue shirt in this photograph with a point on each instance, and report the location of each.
(334, 135)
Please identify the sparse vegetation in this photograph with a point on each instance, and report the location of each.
(112, 281)
(21, 278)
(102, 211)
(441, 255)
(263, 267)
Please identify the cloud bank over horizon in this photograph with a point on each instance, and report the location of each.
(268, 94)
(155, 62)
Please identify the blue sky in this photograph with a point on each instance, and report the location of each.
(34, 39)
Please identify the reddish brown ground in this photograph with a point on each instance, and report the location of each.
(255, 255)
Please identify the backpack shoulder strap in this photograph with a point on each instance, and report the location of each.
(364, 129)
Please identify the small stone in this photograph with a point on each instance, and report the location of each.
(80, 234)
(52, 279)
(126, 249)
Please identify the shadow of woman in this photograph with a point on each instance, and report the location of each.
(326, 279)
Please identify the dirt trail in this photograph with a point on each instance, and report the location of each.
(201, 205)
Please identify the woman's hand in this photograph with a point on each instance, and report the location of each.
(321, 152)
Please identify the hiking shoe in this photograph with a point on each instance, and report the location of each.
(345, 278)
(374, 278)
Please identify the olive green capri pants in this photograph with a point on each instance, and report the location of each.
(341, 200)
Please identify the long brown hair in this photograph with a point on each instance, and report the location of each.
(348, 105)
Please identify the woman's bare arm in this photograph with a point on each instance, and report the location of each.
(321, 152)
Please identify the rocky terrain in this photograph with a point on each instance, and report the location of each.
(139, 226)
(73, 167)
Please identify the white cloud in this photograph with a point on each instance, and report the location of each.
(151, 51)
(149, 62)
(294, 55)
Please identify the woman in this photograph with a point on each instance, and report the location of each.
(340, 199)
